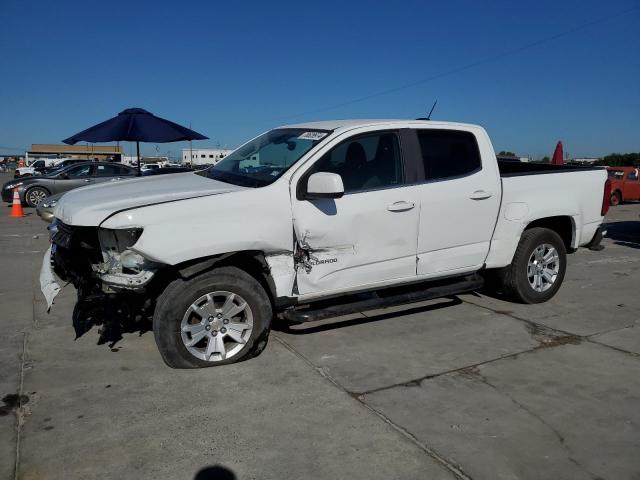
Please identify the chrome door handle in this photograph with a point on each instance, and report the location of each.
(401, 206)
(87, 180)
(480, 195)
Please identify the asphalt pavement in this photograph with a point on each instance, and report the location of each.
(467, 387)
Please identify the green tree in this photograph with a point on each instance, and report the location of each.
(620, 160)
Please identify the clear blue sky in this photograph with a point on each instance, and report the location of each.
(233, 69)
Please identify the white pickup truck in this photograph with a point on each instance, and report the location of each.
(321, 219)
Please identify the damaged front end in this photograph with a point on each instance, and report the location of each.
(122, 267)
(98, 259)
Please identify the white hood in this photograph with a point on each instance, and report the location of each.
(91, 205)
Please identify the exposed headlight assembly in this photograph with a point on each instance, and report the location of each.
(117, 241)
(132, 260)
(115, 246)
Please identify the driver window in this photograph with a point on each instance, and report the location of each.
(82, 171)
(367, 162)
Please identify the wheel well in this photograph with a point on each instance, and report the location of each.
(617, 192)
(252, 262)
(563, 226)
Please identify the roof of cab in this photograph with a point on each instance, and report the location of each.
(348, 124)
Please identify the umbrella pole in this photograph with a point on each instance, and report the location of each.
(138, 151)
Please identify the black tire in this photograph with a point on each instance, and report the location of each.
(32, 193)
(615, 199)
(513, 278)
(174, 302)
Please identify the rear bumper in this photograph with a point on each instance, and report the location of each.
(595, 243)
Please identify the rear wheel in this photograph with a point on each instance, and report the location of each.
(538, 267)
(35, 195)
(615, 199)
(222, 316)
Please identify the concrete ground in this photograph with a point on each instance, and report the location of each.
(467, 387)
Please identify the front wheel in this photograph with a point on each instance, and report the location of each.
(538, 267)
(615, 199)
(35, 195)
(219, 317)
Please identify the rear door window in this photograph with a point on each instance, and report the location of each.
(448, 153)
(112, 171)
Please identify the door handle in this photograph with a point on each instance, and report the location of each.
(401, 206)
(87, 180)
(480, 195)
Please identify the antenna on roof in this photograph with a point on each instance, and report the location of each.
(428, 117)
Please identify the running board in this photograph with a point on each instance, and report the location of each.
(382, 299)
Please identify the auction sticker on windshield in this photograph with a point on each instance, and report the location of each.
(312, 136)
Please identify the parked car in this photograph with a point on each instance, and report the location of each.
(58, 164)
(147, 167)
(45, 207)
(165, 170)
(35, 168)
(322, 219)
(33, 190)
(43, 167)
(625, 184)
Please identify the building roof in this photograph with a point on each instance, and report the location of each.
(75, 149)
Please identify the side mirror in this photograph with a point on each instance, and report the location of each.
(324, 185)
(64, 176)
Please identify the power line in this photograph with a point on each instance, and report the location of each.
(468, 66)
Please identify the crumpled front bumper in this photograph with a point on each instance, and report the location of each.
(48, 284)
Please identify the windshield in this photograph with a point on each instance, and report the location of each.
(265, 158)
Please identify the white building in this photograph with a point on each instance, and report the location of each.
(585, 160)
(204, 156)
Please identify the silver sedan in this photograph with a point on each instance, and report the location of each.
(34, 190)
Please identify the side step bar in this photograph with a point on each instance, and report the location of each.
(381, 299)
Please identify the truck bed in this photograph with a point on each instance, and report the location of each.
(516, 169)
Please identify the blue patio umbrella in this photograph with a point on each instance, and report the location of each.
(135, 125)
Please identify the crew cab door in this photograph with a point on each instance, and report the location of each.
(459, 200)
(366, 237)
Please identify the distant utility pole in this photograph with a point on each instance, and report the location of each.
(190, 149)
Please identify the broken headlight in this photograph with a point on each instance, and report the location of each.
(49, 203)
(132, 260)
(115, 246)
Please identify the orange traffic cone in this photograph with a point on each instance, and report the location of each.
(16, 206)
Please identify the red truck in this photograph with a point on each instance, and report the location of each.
(625, 184)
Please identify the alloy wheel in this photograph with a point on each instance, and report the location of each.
(216, 326)
(543, 267)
